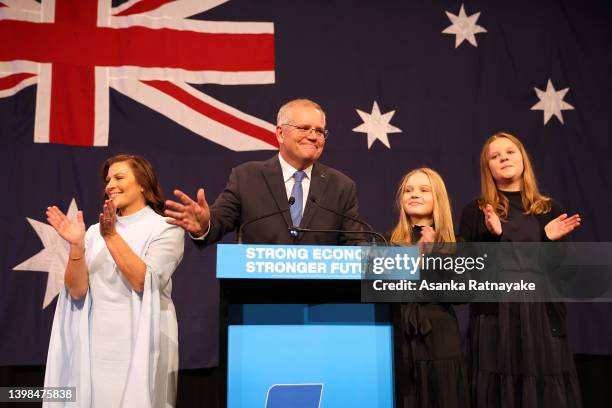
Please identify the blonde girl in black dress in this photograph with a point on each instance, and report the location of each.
(519, 353)
(431, 370)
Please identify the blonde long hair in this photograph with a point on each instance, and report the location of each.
(442, 217)
(534, 203)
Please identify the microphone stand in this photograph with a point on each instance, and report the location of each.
(291, 201)
(294, 231)
(370, 230)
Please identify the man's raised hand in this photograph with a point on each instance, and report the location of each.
(192, 216)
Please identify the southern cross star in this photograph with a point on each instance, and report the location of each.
(551, 102)
(376, 125)
(464, 27)
(53, 258)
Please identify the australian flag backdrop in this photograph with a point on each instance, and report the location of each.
(194, 86)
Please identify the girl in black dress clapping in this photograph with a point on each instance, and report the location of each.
(431, 371)
(520, 355)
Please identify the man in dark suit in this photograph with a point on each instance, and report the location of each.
(262, 200)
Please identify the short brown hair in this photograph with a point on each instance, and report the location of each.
(145, 176)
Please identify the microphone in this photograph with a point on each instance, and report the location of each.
(295, 230)
(291, 201)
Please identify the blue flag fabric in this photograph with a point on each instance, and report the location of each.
(404, 84)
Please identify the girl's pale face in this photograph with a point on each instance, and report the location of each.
(505, 162)
(123, 189)
(417, 199)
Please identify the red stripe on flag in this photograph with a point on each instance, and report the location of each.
(10, 81)
(79, 44)
(73, 87)
(214, 113)
(72, 105)
(76, 11)
(143, 7)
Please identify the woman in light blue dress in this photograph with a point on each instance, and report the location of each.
(115, 335)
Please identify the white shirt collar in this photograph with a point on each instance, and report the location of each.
(289, 170)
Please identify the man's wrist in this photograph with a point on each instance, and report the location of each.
(200, 237)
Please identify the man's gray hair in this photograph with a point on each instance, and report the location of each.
(283, 113)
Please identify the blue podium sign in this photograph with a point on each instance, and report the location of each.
(288, 262)
(316, 262)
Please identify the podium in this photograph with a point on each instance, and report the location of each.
(297, 334)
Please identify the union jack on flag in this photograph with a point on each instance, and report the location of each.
(149, 50)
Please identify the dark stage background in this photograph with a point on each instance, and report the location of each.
(348, 56)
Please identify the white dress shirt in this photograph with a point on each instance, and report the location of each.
(288, 172)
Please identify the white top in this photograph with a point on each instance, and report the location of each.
(157, 243)
(122, 346)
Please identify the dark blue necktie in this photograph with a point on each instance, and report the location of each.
(298, 194)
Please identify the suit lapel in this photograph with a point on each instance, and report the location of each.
(318, 185)
(273, 175)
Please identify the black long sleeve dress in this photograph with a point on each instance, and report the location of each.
(431, 370)
(518, 352)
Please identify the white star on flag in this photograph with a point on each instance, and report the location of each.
(53, 258)
(464, 27)
(376, 125)
(551, 102)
